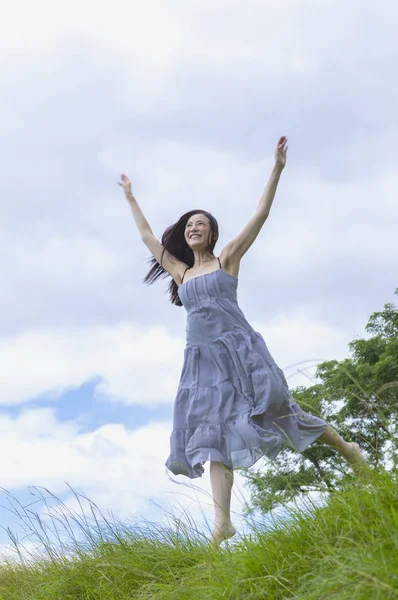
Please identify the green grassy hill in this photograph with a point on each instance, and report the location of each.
(348, 549)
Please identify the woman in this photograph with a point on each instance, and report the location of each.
(233, 404)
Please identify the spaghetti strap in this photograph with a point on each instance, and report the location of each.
(184, 275)
(190, 267)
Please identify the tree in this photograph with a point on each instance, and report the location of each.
(358, 396)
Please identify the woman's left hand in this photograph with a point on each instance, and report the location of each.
(280, 152)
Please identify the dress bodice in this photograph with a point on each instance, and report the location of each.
(212, 307)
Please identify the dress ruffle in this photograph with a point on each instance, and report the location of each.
(249, 410)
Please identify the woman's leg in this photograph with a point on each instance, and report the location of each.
(221, 479)
(349, 450)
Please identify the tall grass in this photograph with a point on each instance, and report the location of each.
(346, 549)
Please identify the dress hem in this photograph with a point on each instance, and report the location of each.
(245, 457)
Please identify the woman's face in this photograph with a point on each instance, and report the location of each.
(197, 232)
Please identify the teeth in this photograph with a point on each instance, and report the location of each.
(197, 236)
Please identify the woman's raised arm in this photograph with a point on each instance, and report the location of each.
(140, 220)
(237, 247)
(171, 264)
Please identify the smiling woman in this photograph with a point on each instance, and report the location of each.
(189, 242)
(233, 403)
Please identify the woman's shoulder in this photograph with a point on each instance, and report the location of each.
(229, 264)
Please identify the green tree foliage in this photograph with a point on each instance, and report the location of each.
(358, 396)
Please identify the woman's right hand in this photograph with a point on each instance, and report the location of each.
(126, 185)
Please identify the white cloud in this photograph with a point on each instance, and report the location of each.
(44, 451)
(147, 30)
(320, 221)
(138, 366)
(299, 341)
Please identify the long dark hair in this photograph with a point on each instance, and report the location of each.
(173, 240)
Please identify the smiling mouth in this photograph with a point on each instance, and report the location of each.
(195, 235)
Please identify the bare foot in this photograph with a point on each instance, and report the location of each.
(222, 533)
(355, 458)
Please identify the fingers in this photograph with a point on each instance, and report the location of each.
(281, 144)
(125, 181)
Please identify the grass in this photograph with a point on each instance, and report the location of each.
(346, 550)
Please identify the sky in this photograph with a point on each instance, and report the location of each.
(189, 100)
